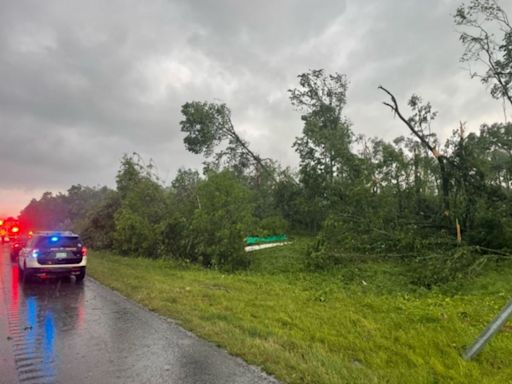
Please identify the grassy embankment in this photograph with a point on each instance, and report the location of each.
(360, 324)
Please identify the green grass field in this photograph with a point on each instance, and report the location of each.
(360, 324)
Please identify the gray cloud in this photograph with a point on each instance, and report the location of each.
(85, 82)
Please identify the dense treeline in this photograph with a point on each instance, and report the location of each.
(444, 207)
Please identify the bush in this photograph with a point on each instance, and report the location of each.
(134, 235)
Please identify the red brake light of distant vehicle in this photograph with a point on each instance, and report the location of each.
(84, 251)
(15, 229)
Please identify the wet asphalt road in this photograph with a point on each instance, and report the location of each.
(57, 331)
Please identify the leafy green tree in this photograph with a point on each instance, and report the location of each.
(99, 226)
(289, 199)
(209, 124)
(224, 219)
(185, 186)
(324, 147)
(183, 202)
(481, 187)
(144, 205)
(326, 161)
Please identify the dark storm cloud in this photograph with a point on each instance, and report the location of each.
(85, 82)
(70, 102)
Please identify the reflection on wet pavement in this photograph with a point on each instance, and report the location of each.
(32, 312)
(58, 331)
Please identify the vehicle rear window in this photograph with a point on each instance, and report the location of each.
(58, 241)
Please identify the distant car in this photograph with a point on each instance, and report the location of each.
(53, 254)
(9, 230)
(17, 245)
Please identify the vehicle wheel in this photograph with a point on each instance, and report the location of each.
(80, 277)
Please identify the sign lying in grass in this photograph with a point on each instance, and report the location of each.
(254, 243)
(255, 247)
(253, 240)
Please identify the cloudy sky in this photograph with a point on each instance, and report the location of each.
(83, 82)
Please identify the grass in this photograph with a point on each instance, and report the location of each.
(360, 324)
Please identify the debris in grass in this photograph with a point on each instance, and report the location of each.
(251, 248)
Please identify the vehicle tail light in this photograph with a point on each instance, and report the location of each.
(15, 229)
(35, 252)
(84, 251)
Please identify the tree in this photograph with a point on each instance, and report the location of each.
(218, 228)
(209, 124)
(481, 187)
(144, 205)
(99, 226)
(487, 40)
(185, 186)
(324, 147)
(131, 172)
(326, 163)
(419, 125)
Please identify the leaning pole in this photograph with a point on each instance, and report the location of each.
(493, 327)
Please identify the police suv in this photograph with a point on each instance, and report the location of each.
(53, 254)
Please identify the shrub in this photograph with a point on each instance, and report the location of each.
(134, 235)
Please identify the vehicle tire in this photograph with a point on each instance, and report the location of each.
(80, 277)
